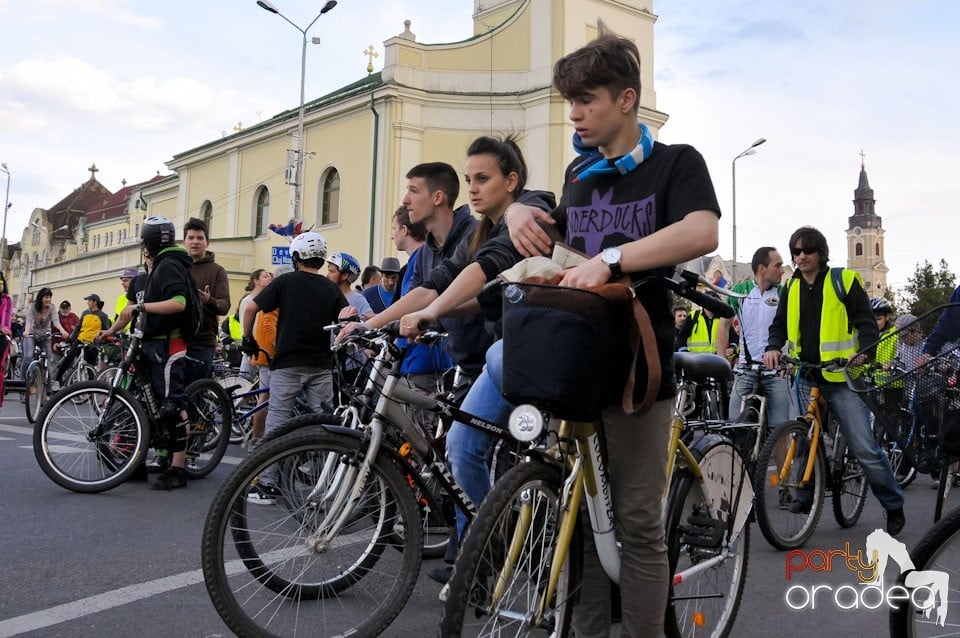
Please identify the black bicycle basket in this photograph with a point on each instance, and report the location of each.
(916, 401)
(564, 349)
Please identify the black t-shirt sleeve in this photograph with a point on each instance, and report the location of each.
(268, 299)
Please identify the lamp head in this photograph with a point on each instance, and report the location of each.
(329, 5)
(758, 142)
(267, 6)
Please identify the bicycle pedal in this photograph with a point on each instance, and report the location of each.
(702, 531)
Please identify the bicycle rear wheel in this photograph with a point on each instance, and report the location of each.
(270, 570)
(706, 602)
(788, 508)
(34, 390)
(89, 439)
(211, 415)
(849, 490)
(493, 596)
(236, 384)
(936, 556)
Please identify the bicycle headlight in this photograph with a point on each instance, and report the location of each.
(526, 423)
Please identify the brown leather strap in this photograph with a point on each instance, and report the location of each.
(654, 374)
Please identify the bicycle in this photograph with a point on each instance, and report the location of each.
(37, 378)
(519, 567)
(800, 460)
(363, 496)
(916, 403)
(932, 563)
(93, 435)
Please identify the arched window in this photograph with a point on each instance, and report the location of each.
(876, 250)
(206, 213)
(330, 198)
(262, 216)
(858, 250)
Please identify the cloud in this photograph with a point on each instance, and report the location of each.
(112, 10)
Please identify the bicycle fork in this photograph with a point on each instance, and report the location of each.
(344, 501)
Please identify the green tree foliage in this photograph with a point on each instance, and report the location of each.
(926, 289)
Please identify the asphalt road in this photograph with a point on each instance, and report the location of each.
(127, 562)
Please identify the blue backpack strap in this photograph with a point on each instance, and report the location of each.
(836, 275)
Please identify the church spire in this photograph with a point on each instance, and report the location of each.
(863, 202)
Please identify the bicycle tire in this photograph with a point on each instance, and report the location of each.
(782, 528)
(34, 390)
(705, 603)
(486, 543)
(938, 550)
(947, 478)
(258, 570)
(108, 374)
(81, 374)
(67, 451)
(237, 384)
(210, 417)
(849, 490)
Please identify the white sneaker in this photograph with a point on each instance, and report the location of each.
(444, 593)
(54, 386)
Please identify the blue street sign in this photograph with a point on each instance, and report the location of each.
(281, 256)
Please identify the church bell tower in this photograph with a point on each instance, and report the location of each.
(865, 238)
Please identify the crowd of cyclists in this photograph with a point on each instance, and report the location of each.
(631, 205)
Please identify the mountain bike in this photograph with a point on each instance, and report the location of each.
(37, 378)
(93, 435)
(799, 461)
(518, 571)
(363, 496)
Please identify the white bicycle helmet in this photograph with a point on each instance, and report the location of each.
(308, 245)
(346, 263)
(881, 306)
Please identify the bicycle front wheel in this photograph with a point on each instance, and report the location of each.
(704, 601)
(788, 507)
(89, 438)
(280, 570)
(926, 612)
(849, 490)
(504, 568)
(211, 416)
(34, 391)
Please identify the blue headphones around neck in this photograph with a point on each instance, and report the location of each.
(594, 163)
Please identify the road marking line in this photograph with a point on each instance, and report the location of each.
(132, 593)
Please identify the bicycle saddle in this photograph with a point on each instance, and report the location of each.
(701, 366)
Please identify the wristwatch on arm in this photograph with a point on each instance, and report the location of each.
(611, 257)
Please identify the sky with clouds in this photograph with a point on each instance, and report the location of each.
(129, 83)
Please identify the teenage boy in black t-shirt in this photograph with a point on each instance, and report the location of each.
(634, 206)
(303, 361)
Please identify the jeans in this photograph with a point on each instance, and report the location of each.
(854, 418)
(285, 384)
(636, 451)
(200, 362)
(777, 390)
(26, 353)
(469, 449)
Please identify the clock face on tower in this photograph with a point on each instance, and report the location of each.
(856, 231)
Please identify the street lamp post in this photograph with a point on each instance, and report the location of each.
(297, 203)
(749, 151)
(6, 200)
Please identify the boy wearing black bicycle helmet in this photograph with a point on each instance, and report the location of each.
(169, 301)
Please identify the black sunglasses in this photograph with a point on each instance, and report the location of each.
(806, 251)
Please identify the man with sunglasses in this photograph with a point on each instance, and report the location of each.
(820, 317)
